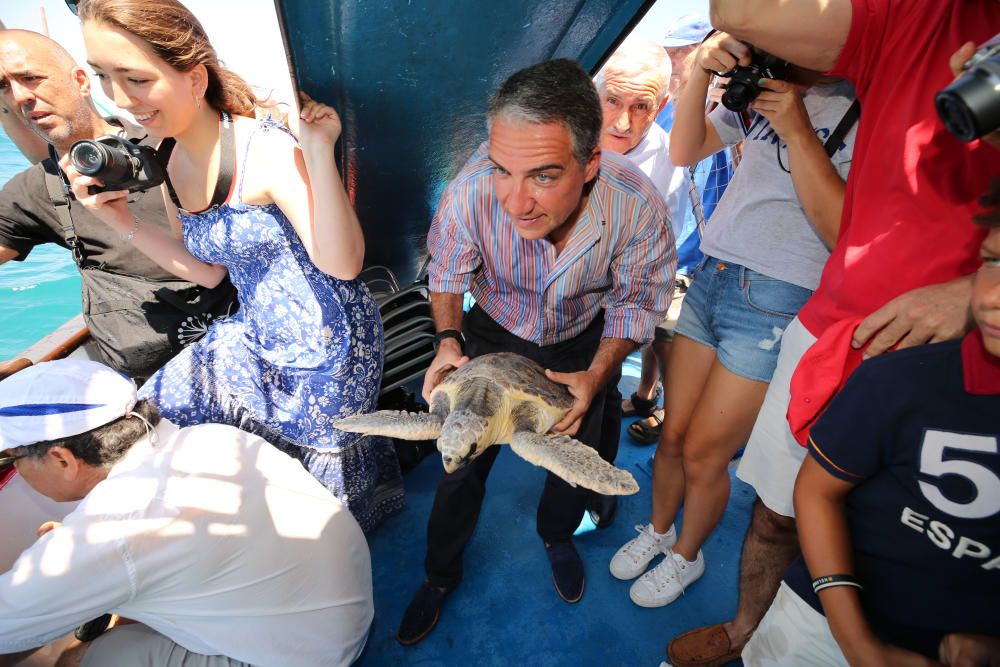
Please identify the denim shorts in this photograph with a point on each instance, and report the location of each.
(741, 314)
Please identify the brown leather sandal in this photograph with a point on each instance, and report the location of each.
(702, 647)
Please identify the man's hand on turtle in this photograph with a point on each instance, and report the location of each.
(582, 386)
(449, 357)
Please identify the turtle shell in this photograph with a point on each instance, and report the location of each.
(515, 374)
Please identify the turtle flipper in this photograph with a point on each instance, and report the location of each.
(395, 424)
(574, 461)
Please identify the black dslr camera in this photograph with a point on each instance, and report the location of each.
(120, 163)
(742, 88)
(970, 106)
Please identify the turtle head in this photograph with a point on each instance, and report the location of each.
(459, 439)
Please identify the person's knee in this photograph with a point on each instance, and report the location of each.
(770, 526)
(671, 442)
(703, 464)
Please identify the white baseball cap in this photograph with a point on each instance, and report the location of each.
(57, 399)
(685, 31)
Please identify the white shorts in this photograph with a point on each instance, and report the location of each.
(792, 633)
(772, 457)
(138, 645)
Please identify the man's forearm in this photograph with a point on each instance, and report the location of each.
(7, 254)
(447, 310)
(11, 659)
(809, 33)
(609, 357)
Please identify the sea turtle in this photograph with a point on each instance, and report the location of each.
(494, 399)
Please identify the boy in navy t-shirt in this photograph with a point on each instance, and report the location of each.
(899, 508)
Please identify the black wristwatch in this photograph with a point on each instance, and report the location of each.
(449, 333)
(91, 630)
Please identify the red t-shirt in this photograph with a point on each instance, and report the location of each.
(913, 186)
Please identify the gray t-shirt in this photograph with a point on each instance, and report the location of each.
(759, 222)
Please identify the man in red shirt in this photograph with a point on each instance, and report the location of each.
(902, 267)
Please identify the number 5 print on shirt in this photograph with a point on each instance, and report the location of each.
(986, 499)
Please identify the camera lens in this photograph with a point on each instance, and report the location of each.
(738, 96)
(104, 159)
(88, 157)
(955, 115)
(970, 107)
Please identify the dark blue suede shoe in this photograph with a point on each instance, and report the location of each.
(422, 615)
(567, 570)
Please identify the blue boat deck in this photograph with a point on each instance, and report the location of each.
(506, 612)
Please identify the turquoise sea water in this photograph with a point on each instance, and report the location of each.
(40, 293)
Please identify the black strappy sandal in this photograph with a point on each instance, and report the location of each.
(645, 433)
(641, 407)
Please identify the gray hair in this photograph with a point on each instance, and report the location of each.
(639, 57)
(555, 91)
(105, 445)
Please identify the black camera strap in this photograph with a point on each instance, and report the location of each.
(227, 163)
(843, 127)
(833, 142)
(60, 195)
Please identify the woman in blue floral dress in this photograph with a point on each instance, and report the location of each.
(305, 348)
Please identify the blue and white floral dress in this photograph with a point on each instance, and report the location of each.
(303, 350)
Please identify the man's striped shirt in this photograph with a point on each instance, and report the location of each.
(620, 256)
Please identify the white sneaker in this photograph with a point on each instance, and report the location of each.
(665, 582)
(632, 559)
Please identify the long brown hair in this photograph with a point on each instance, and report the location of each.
(178, 38)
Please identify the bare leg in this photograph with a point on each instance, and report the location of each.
(721, 423)
(687, 369)
(661, 351)
(648, 376)
(73, 656)
(770, 546)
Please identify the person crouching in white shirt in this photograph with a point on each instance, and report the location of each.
(224, 550)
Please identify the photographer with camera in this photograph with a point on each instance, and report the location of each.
(764, 249)
(139, 315)
(900, 273)
(264, 204)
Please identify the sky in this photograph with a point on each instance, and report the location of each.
(264, 65)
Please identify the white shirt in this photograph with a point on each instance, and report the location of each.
(211, 537)
(652, 156)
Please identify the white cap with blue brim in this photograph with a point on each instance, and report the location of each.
(58, 399)
(685, 31)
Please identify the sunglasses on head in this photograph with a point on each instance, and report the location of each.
(8, 460)
(71, 4)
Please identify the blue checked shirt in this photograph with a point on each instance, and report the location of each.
(620, 256)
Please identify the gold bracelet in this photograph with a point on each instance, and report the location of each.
(127, 238)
